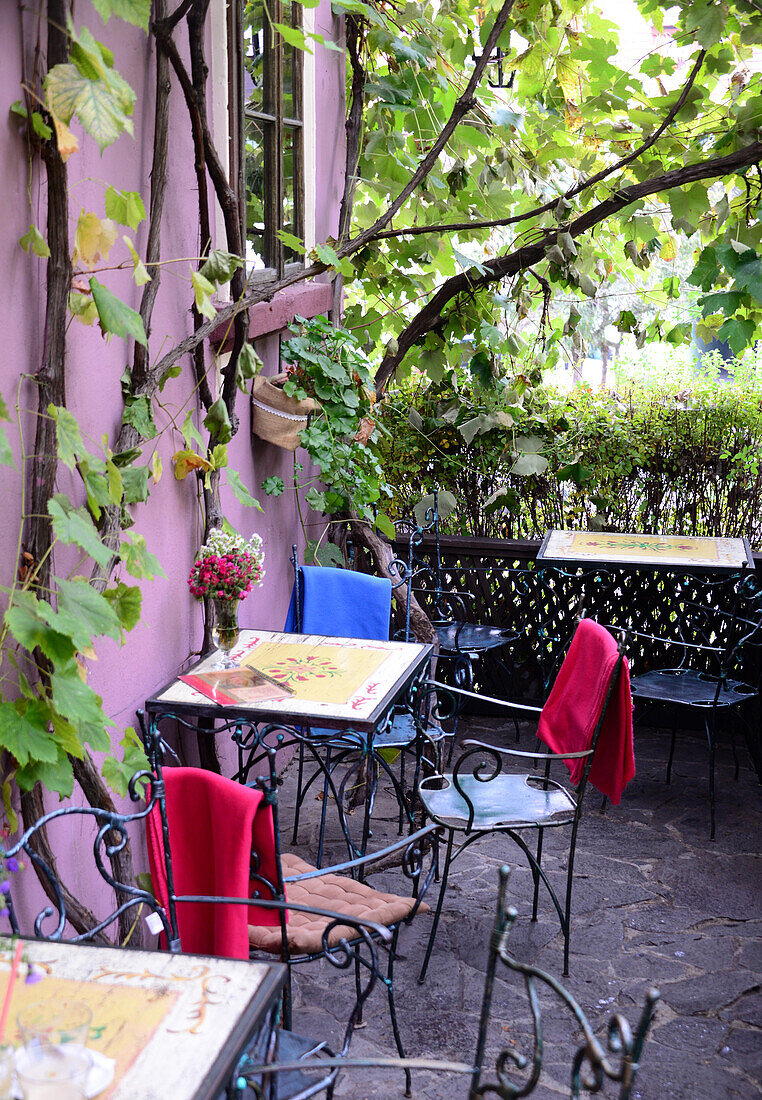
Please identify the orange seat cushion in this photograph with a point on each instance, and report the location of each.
(339, 893)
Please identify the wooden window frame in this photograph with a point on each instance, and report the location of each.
(274, 125)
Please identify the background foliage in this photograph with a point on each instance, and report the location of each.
(675, 450)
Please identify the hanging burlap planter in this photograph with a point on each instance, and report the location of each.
(275, 416)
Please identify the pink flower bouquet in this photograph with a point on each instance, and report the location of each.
(227, 566)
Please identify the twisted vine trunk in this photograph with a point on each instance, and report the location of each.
(51, 389)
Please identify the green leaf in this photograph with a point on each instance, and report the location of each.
(138, 559)
(29, 621)
(24, 731)
(273, 486)
(293, 36)
(423, 510)
(240, 492)
(527, 464)
(115, 316)
(738, 333)
(40, 127)
(217, 421)
(385, 525)
(190, 432)
(219, 457)
(292, 242)
(125, 207)
(708, 21)
(33, 241)
(726, 302)
(136, 12)
(326, 255)
(220, 266)
(135, 482)
(126, 601)
(118, 773)
(80, 705)
(74, 525)
(249, 363)
(6, 454)
(138, 411)
(57, 776)
(89, 608)
(68, 436)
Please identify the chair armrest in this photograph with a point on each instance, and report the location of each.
(363, 861)
(528, 755)
(504, 703)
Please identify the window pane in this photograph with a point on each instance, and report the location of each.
(255, 187)
(253, 44)
(293, 220)
(292, 107)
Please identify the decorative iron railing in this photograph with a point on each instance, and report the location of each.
(508, 588)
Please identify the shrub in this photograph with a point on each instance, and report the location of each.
(673, 452)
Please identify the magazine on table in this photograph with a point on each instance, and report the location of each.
(236, 686)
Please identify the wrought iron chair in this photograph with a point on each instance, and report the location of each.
(515, 1074)
(316, 914)
(407, 732)
(707, 650)
(461, 640)
(587, 723)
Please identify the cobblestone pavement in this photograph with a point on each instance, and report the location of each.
(656, 903)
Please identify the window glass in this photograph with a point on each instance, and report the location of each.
(273, 174)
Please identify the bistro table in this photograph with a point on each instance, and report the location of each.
(345, 689)
(173, 1025)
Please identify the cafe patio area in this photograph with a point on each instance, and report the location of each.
(656, 904)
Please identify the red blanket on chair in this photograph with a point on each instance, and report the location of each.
(569, 717)
(214, 825)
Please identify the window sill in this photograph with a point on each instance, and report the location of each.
(302, 300)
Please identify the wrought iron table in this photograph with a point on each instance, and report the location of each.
(344, 690)
(173, 1025)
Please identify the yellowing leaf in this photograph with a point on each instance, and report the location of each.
(93, 240)
(82, 307)
(185, 461)
(156, 467)
(139, 272)
(65, 139)
(668, 250)
(202, 288)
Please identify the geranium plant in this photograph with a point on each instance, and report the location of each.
(227, 567)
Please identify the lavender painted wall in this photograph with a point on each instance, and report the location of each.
(170, 629)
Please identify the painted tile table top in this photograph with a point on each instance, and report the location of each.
(334, 682)
(174, 1025)
(667, 551)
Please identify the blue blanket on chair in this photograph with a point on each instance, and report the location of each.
(341, 604)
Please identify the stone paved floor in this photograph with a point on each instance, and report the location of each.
(655, 903)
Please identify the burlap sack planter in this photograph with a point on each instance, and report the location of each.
(275, 416)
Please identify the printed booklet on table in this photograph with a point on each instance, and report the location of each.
(231, 686)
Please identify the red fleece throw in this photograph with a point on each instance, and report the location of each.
(569, 717)
(214, 825)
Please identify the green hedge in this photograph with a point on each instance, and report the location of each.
(677, 451)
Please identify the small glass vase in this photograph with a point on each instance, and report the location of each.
(225, 631)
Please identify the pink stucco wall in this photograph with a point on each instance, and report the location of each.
(170, 629)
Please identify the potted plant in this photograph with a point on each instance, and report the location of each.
(328, 366)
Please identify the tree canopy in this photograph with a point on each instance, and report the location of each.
(476, 219)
